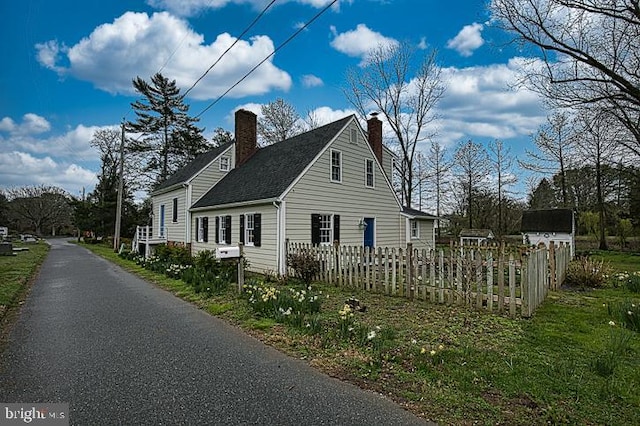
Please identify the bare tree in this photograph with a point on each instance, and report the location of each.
(404, 96)
(502, 165)
(599, 146)
(590, 51)
(438, 170)
(40, 206)
(279, 121)
(555, 142)
(471, 168)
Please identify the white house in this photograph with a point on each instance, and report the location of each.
(328, 184)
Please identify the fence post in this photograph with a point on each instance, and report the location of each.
(553, 282)
(241, 268)
(410, 272)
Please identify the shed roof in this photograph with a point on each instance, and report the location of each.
(547, 220)
(476, 233)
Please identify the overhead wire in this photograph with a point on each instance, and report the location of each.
(294, 35)
(257, 18)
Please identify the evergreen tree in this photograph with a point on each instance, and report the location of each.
(169, 137)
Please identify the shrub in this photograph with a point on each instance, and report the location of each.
(173, 254)
(585, 272)
(304, 264)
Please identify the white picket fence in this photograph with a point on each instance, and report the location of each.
(492, 278)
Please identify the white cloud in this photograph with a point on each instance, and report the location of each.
(325, 115)
(310, 80)
(193, 7)
(137, 44)
(31, 124)
(468, 39)
(358, 43)
(23, 169)
(481, 102)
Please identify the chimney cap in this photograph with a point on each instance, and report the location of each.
(374, 114)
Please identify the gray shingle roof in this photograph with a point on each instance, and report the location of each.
(549, 220)
(418, 214)
(270, 171)
(191, 169)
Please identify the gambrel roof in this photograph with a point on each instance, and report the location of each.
(549, 220)
(272, 169)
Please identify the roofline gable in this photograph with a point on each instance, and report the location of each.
(315, 159)
(196, 174)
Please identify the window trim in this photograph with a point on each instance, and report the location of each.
(331, 166)
(247, 229)
(202, 229)
(226, 157)
(416, 235)
(316, 229)
(368, 161)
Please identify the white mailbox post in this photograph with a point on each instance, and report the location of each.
(230, 252)
(233, 252)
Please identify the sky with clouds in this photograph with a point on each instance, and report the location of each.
(70, 67)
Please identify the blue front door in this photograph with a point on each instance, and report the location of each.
(369, 232)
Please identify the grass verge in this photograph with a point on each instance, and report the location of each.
(16, 271)
(565, 365)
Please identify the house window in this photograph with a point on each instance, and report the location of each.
(223, 229)
(250, 229)
(336, 166)
(415, 229)
(354, 136)
(174, 217)
(325, 228)
(224, 163)
(368, 173)
(202, 229)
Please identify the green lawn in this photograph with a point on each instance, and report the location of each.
(16, 271)
(454, 365)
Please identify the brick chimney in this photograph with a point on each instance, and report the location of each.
(374, 131)
(246, 135)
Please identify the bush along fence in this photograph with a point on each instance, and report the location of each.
(496, 278)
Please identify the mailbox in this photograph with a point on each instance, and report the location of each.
(227, 252)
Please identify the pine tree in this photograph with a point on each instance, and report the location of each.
(169, 137)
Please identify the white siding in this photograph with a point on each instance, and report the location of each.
(351, 199)
(175, 231)
(210, 175)
(426, 238)
(261, 258)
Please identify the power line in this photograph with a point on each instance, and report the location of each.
(294, 35)
(257, 18)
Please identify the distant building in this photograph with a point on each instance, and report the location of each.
(475, 236)
(544, 226)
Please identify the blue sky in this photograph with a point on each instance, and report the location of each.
(69, 66)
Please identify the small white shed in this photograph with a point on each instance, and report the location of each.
(544, 226)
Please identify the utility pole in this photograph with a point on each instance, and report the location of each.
(116, 235)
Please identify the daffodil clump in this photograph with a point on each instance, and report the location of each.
(287, 305)
(625, 313)
(629, 280)
(175, 271)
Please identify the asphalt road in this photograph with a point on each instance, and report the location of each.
(121, 351)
